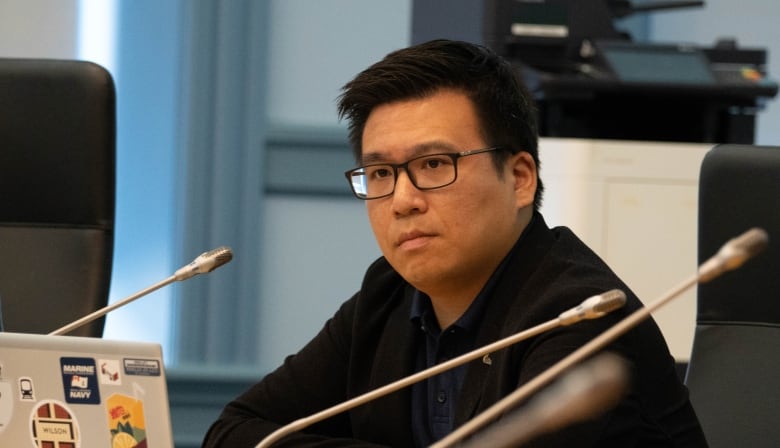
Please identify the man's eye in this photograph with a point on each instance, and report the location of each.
(381, 173)
(434, 162)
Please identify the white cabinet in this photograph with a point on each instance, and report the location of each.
(635, 203)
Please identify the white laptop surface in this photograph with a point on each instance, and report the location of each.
(77, 392)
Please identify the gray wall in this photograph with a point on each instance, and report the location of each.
(38, 28)
(314, 248)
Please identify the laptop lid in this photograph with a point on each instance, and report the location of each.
(76, 392)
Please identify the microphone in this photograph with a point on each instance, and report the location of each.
(204, 263)
(592, 308)
(734, 253)
(586, 392)
(731, 256)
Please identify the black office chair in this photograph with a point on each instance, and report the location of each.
(734, 370)
(57, 193)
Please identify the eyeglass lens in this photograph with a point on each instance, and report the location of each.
(426, 172)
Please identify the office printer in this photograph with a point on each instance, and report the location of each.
(592, 80)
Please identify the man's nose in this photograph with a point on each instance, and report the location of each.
(403, 182)
(406, 196)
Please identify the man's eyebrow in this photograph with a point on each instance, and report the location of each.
(431, 147)
(372, 157)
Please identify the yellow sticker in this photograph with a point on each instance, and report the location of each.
(126, 421)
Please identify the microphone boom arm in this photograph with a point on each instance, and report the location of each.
(105, 310)
(589, 309)
(561, 366)
(731, 256)
(204, 263)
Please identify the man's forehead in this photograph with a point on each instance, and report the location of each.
(428, 147)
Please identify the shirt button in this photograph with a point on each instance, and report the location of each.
(442, 397)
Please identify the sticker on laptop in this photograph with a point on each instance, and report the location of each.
(126, 421)
(80, 380)
(110, 372)
(142, 367)
(6, 403)
(26, 389)
(53, 424)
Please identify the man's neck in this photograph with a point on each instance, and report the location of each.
(449, 309)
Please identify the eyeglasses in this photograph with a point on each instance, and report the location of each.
(426, 172)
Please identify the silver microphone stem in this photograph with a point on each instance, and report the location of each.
(588, 390)
(524, 391)
(105, 310)
(753, 241)
(204, 263)
(614, 298)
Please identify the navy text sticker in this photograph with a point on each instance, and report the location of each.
(80, 380)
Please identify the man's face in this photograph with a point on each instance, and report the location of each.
(455, 236)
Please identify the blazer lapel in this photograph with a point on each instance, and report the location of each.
(488, 379)
(478, 373)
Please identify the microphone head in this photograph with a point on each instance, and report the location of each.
(610, 301)
(205, 263)
(585, 392)
(734, 254)
(746, 246)
(220, 255)
(594, 307)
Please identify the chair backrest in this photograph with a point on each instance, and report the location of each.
(734, 369)
(57, 192)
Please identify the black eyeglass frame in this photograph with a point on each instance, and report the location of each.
(455, 156)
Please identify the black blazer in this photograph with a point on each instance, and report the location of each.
(370, 342)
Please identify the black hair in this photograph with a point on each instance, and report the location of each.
(504, 106)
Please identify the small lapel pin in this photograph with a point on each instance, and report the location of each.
(486, 359)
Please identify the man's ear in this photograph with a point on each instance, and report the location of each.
(524, 174)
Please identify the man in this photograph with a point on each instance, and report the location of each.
(445, 137)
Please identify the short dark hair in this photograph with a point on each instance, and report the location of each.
(505, 109)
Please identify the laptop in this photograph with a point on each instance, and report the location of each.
(77, 392)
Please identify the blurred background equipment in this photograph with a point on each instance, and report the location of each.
(592, 79)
